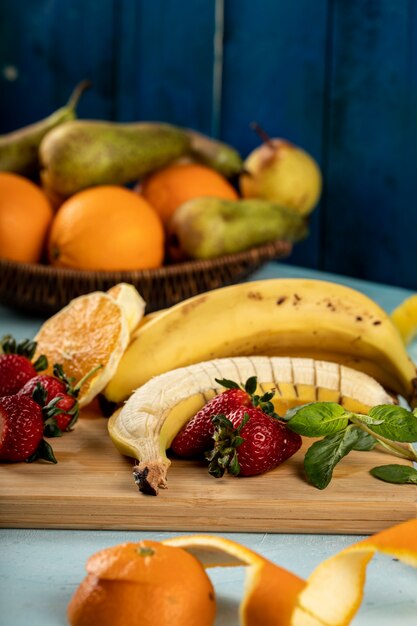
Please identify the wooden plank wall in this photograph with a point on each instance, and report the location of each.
(337, 77)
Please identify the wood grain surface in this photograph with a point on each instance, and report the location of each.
(92, 487)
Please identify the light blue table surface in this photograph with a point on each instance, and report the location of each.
(40, 569)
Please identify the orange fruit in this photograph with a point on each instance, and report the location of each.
(91, 331)
(144, 583)
(171, 186)
(270, 592)
(106, 228)
(25, 215)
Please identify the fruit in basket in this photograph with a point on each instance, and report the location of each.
(404, 317)
(25, 215)
(277, 317)
(172, 186)
(146, 583)
(206, 228)
(155, 413)
(85, 153)
(21, 430)
(90, 333)
(16, 364)
(249, 442)
(284, 173)
(19, 149)
(106, 228)
(215, 154)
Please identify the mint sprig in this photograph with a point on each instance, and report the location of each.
(390, 426)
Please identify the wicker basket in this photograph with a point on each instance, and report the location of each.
(44, 290)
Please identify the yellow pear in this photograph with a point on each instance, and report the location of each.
(281, 172)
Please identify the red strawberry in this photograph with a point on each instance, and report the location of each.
(197, 435)
(21, 430)
(16, 367)
(52, 386)
(59, 396)
(250, 442)
(66, 411)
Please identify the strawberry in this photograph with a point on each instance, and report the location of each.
(197, 435)
(16, 367)
(21, 430)
(64, 410)
(250, 442)
(60, 397)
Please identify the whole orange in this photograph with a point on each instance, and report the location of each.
(106, 228)
(25, 214)
(144, 583)
(171, 186)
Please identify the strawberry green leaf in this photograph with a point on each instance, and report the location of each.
(317, 419)
(228, 384)
(400, 474)
(250, 385)
(41, 363)
(323, 456)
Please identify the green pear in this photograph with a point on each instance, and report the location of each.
(215, 154)
(284, 173)
(208, 227)
(19, 149)
(84, 153)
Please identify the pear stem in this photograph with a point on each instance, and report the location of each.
(77, 93)
(261, 132)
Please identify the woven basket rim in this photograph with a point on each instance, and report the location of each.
(263, 252)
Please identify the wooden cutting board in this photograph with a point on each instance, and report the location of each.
(92, 487)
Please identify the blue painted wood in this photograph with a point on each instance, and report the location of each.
(46, 48)
(165, 64)
(274, 73)
(370, 211)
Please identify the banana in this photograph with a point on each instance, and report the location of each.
(146, 425)
(278, 317)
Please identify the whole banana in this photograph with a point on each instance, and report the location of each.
(146, 425)
(278, 317)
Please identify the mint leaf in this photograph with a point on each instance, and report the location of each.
(397, 424)
(317, 419)
(322, 457)
(400, 474)
(365, 441)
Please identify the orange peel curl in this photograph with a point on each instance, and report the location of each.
(332, 594)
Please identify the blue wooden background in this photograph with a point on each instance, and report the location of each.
(338, 77)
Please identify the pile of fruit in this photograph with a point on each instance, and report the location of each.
(320, 360)
(98, 195)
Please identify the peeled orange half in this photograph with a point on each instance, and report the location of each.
(147, 584)
(91, 332)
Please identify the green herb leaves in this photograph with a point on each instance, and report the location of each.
(343, 431)
(400, 474)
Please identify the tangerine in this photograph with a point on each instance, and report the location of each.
(144, 583)
(106, 228)
(171, 186)
(25, 215)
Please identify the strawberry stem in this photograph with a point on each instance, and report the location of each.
(227, 439)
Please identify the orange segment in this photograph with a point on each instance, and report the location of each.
(146, 583)
(270, 591)
(91, 330)
(131, 302)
